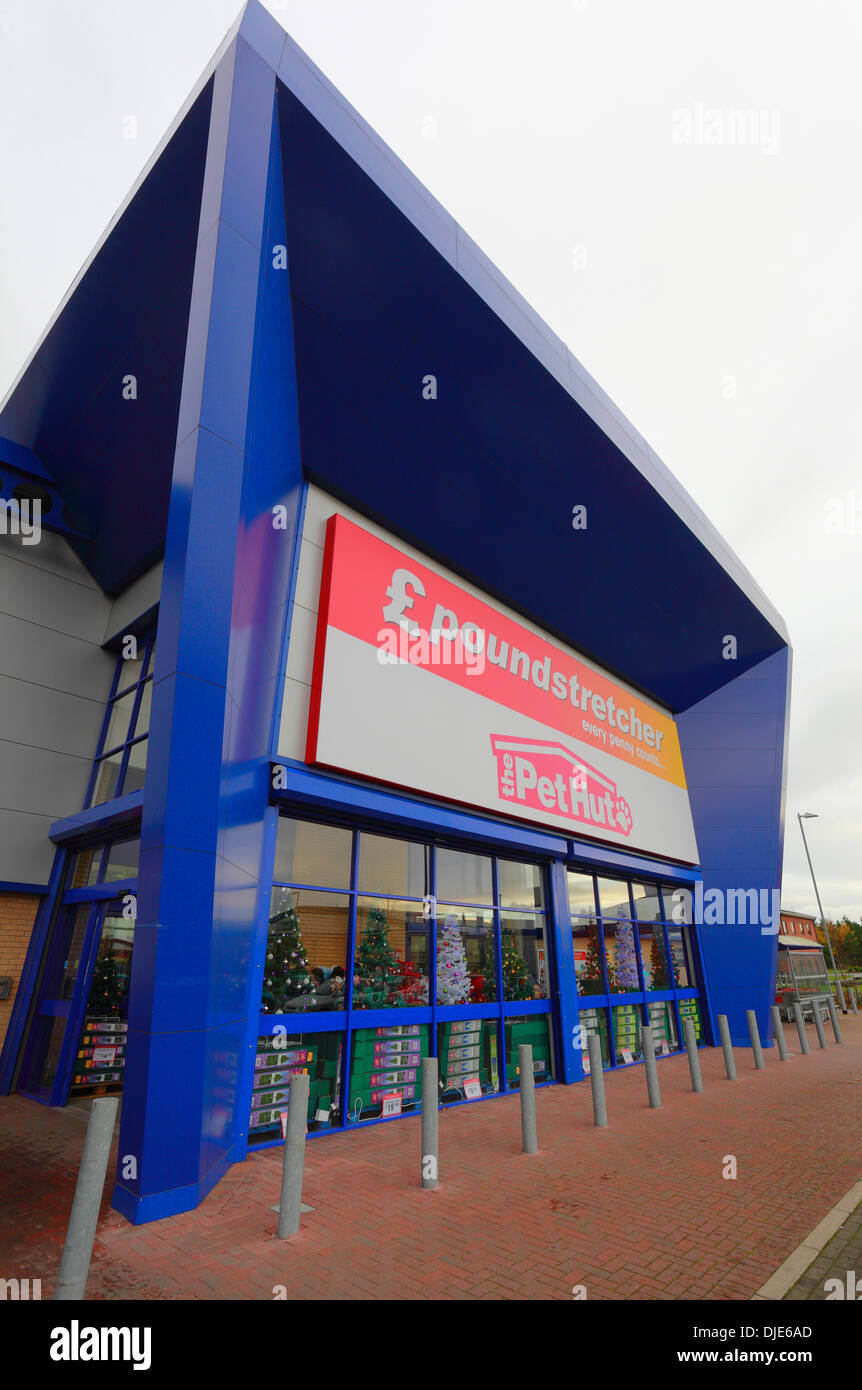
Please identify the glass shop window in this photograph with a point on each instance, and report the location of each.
(582, 895)
(594, 1021)
(621, 957)
(655, 958)
(627, 1033)
(122, 860)
(306, 852)
(526, 971)
(306, 952)
(121, 760)
(681, 957)
(647, 900)
(282, 1056)
(614, 898)
(101, 1057)
(677, 904)
(662, 1023)
(520, 885)
(386, 1071)
(587, 949)
(464, 878)
(399, 867)
(390, 969)
(466, 956)
(469, 1054)
(534, 1030)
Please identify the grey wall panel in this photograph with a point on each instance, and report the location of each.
(37, 716)
(26, 853)
(54, 681)
(31, 652)
(45, 783)
(39, 596)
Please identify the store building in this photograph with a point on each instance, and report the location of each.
(801, 971)
(372, 689)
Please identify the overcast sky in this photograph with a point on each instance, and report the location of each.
(675, 188)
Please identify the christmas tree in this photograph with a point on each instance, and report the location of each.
(285, 972)
(517, 983)
(590, 974)
(623, 974)
(659, 964)
(377, 972)
(453, 976)
(108, 987)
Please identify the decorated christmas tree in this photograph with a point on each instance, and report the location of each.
(659, 964)
(517, 982)
(590, 974)
(108, 987)
(453, 976)
(377, 972)
(285, 973)
(623, 973)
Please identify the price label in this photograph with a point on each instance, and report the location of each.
(104, 1056)
(585, 1061)
(391, 1105)
(627, 1054)
(472, 1088)
(665, 1050)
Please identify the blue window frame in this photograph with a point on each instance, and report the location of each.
(121, 757)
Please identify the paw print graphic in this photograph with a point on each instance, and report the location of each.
(623, 814)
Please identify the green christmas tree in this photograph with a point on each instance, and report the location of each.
(590, 974)
(285, 972)
(376, 969)
(659, 964)
(108, 987)
(517, 981)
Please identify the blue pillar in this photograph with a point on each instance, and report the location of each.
(734, 746)
(204, 876)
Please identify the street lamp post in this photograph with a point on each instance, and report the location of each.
(811, 815)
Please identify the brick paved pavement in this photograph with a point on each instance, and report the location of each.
(639, 1210)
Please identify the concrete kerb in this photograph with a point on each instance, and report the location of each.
(793, 1268)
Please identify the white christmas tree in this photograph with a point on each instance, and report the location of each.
(453, 976)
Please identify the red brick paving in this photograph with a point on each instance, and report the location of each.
(639, 1210)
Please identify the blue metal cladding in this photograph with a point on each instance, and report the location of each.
(734, 746)
(484, 478)
(205, 871)
(111, 458)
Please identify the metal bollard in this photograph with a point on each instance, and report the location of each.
(597, 1080)
(693, 1059)
(778, 1030)
(800, 1028)
(84, 1216)
(833, 1018)
(818, 1023)
(754, 1034)
(430, 1127)
(648, 1048)
(727, 1047)
(290, 1202)
(854, 1006)
(527, 1079)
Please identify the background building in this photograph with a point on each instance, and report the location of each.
(287, 415)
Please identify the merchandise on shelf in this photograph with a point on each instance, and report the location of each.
(594, 1021)
(467, 1050)
(535, 1030)
(689, 1008)
(662, 1025)
(627, 1033)
(395, 1052)
(319, 1057)
(101, 1053)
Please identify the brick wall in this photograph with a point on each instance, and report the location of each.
(17, 915)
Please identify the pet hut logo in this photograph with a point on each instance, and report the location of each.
(548, 777)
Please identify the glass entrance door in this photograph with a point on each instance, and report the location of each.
(55, 1024)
